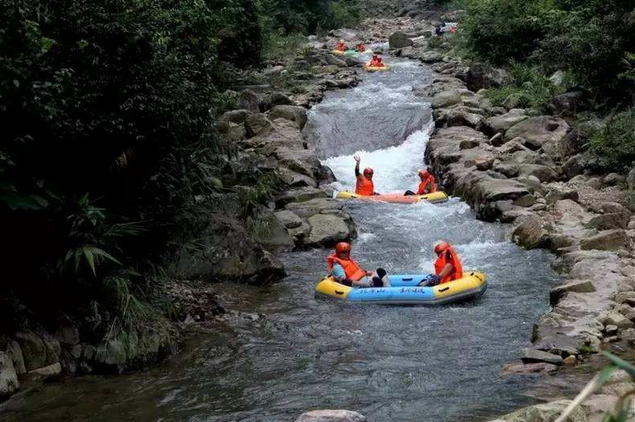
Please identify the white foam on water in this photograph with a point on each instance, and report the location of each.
(395, 168)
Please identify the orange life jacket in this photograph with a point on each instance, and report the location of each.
(351, 268)
(361, 48)
(376, 62)
(457, 268)
(341, 46)
(364, 186)
(427, 181)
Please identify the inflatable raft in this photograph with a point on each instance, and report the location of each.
(376, 68)
(338, 52)
(404, 290)
(397, 197)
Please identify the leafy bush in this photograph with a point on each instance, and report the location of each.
(503, 30)
(529, 85)
(615, 144)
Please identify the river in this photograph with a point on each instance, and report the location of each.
(288, 352)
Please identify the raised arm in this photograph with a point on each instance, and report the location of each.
(357, 160)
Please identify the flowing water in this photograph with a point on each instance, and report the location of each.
(291, 352)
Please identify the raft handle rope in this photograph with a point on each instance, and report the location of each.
(444, 289)
(338, 292)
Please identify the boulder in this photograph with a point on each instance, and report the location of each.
(627, 298)
(327, 230)
(48, 371)
(229, 252)
(609, 240)
(315, 206)
(289, 219)
(520, 368)
(558, 193)
(331, 416)
(627, 311)
(277, 98)
(296, 180)
(14, 350)
(574, 165)
(9, 383)
(502, 122)
(296, 114)
(566, 104)
(609, 221)
(546, 412)
(299, 195)
(399, 39)
(33, 349)
(533, 355)
(530, 233)
(248, 100)
(234, 116)
(258, 125)
(446, 99)
(630, 179)
(537, 131)
(613, 179)
(480, 76)
(617, 319)
(577, 286)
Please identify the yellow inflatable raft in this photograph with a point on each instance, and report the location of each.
(397, 198)
(338, 52)
(369, 68)
(404, 290)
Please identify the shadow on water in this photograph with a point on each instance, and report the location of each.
(291, 352)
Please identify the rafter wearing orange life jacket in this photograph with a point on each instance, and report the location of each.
(361, 48)
(427, 184)
(448, 256)
(341, 46)
(376, 61)
(364, 185)
(351, 267)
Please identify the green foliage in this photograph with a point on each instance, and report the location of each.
(503, 30)
(309, 16)
(615, 144)
(532, 88)
(280, 46)
(592, 39)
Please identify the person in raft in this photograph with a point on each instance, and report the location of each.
(347, 271)
(361, 47)
(364, 182)
(447, 267)
(340, 46)
(376, 61)
(427, 184)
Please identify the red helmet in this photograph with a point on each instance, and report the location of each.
(441, 247)
(342, 247)
(368, 172)
(423, 173)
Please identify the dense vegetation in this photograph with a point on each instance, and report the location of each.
(107, 111)
(592, 41)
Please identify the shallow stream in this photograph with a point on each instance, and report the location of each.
(291, 352)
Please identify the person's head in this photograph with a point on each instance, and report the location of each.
(423, 174)
(368, 173)
(440, 247)
(343, 250)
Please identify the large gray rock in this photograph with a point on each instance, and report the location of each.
(530, 233)
(502, 122)
(446, 99)
(299, 195)
(537, 131)
(609, 221)
(533, 355)
(546, 412)
(258, 125)
(234, 116)
(331, 416)
(33, 349)
(559, 193)
(9, 383)
(296, 114)
(327, 230)
(289, 219)
(399, 39)
(617, 319)
(14, 350)
(630, 179)
(609, 240)
(229, 252)
(577, 286)
(481, 76)
(248, 100)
